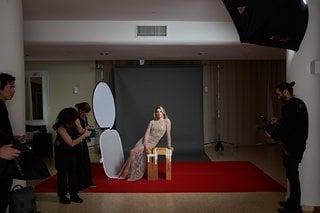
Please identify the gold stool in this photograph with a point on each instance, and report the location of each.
(153, 162)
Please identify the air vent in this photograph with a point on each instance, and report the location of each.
(151, 30)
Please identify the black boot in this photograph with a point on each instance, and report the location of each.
(76, 199)
(64, 200)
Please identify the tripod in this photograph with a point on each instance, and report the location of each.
(219, 144)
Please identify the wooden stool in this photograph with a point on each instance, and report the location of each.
(153, 163)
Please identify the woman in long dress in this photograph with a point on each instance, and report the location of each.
(135, 166)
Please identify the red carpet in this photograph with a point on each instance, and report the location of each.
(227, 176)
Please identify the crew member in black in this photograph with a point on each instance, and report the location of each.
(85, 176)
(293, 132)
(69, 134)
(7, 166)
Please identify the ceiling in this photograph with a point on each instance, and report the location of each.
(137, 10)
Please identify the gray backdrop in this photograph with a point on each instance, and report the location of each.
(138, 89)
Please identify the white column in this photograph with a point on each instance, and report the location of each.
(308, 88)
(12, 58)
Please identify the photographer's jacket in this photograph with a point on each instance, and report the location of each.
(6, 132)
(293, 128)
(5, 125)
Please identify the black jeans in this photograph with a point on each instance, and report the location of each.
(6, 180)
(5, 186)
(67, 180)
(66, 164)
(291, 164)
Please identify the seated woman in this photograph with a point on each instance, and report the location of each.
(134, 167)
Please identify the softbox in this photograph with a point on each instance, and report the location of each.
(274, 23)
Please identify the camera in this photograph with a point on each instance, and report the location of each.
(267, 126)
(22, 147)
(95, 132)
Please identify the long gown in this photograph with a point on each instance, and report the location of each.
(138, 164)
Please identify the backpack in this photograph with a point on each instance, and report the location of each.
(22, 200)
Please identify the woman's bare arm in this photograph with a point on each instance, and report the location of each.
(66, 137)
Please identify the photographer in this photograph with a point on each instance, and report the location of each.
(69, 134)
(292, 130)
(7, 90)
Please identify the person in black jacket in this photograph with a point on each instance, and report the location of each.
(7, 153)
(292, 130)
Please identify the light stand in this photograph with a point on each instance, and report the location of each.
(219, 143)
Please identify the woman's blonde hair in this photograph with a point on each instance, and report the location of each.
(162, 110)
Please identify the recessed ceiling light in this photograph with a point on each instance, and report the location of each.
(202, 53)
(104, 53)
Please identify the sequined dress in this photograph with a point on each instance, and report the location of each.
(138, 165)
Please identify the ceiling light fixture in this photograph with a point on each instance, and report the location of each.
(104, 53)
(202, 53)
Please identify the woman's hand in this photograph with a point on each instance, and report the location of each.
(87, 133)
(170, 147)
(146, 149)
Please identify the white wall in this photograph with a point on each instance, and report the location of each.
(62, 78)
(115, 32)
(11, 59)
